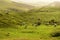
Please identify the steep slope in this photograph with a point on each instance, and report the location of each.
(12, 13)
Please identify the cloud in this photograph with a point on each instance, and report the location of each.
(35, 1)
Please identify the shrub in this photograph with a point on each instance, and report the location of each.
(55, 34)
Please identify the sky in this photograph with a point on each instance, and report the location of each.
(35, 1)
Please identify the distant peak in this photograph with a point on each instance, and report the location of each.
(55, 4)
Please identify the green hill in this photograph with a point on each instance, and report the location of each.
(12, 13)
(9, 4)
(18, 21)
(18, 17)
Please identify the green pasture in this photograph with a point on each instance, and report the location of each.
(41, 32)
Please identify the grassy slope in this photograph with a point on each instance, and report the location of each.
(16, 16)
(41, 33)
(16, 12)
(53, 13)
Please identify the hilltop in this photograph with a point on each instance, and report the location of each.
(9, 4)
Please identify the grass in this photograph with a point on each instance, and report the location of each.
(17, 32)
(12, 17)
(42, 33)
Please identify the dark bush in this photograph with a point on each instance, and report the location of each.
(8, 34)
(56, 34)
(53, 22)
(38, 22)
(1, 15)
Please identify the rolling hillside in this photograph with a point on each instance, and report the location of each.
(9, 4)
(18, 22)
(12, 15)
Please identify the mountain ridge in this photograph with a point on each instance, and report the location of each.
(10, 4)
